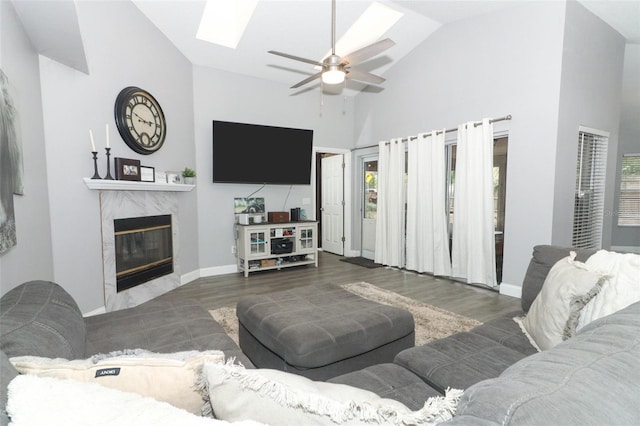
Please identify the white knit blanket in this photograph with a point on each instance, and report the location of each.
(619, 291)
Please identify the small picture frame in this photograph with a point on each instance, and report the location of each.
(174, 177)
(147, 174)
(127, 169)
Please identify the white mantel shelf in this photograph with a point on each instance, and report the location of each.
(125, 185)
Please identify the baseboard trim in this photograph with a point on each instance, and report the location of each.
(511, 290)
(189, 276)
(218, 270)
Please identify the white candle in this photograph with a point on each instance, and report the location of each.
(93, 144)
(106, 126)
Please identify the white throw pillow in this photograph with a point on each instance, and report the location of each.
(37, 401)
(166, 377)
(620, 291)
(280, 398)
(554, 313)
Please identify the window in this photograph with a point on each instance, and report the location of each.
(588, 207)
(370, 189)
(629, 207)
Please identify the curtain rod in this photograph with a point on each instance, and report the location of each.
(455, 129)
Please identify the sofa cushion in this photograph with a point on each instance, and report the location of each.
(171, 378)
(507, 332)
(389, 380)
(40, 318)
(457, 361)
(543, 259)
(162, 326)
(591, 378)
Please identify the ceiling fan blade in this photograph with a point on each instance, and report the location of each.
(369, 51)
(307, 80)
(296, 58)
(366, 77)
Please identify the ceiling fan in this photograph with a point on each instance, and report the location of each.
(336, 69)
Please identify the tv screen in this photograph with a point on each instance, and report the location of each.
(252, 153)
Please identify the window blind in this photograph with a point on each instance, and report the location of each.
(589, 195)
(629, 205)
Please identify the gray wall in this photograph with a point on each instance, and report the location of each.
(32, 258)
(221, 95)
(74, 102)
(590, 95)
(487, 66)
(628, 237)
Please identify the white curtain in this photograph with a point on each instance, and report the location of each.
(427, 229)
(389, 249)
(473, 247)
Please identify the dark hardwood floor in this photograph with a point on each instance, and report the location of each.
(224, 290)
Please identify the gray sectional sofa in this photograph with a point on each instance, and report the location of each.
(40, 318)
(592, 378)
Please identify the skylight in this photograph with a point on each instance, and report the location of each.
(224, 21)
(368, 28)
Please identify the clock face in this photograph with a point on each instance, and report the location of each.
(140, 120)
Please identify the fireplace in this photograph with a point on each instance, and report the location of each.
(143, 249)
(116, 205)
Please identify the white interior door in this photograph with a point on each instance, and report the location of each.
(370, 206)
(332, 207)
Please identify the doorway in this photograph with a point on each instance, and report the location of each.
(330, 204)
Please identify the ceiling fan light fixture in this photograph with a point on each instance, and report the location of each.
(334, 75)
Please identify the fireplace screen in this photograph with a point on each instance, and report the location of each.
(144, 250)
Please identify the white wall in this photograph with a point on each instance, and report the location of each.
(219, 95)
(31, 258)
(123, 49)
(487, 66)
(590, 95)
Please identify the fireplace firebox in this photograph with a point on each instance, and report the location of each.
(143, 249)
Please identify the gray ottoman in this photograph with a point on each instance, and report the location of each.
(321, 331)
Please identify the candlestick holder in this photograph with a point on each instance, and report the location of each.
(108, 176)
(95, 165)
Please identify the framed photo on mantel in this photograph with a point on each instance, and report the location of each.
(127, 169)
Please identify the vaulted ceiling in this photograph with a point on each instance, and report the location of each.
(297, 27)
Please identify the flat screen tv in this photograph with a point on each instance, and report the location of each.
(252, 153)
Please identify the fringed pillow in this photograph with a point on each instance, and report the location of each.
(280, 398)
(554, 314)
(165, 377)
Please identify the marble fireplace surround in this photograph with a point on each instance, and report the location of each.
(126, 204)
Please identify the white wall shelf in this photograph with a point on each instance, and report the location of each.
(125, 185)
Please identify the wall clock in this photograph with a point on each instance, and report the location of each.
(140, 120)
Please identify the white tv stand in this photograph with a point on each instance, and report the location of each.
(264, 246)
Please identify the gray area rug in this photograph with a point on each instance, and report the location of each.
(431, 322)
